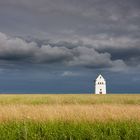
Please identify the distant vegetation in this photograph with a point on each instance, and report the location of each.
(36, 99)
(70, 117)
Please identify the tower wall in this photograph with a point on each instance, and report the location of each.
(100, 85)
(100, 89)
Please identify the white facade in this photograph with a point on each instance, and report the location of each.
(100, 85)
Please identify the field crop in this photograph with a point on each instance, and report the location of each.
(70, 117)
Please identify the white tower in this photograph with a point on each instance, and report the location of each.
(100, 85)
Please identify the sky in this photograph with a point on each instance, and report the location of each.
(60, 46)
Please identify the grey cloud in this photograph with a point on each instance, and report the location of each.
(70, 17)
(16, 49)
(47, 53)
(90, 58)
(69, 41)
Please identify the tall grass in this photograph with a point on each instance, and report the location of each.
(70, 131)
(70, 117)
(69, 107)
(77, 113)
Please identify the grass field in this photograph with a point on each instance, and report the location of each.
(70, 117)
(36, 99)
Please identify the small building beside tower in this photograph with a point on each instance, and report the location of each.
(100, 85)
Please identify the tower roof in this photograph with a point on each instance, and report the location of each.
(100, 77)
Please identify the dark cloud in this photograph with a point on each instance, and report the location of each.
(16, 49)
(65, 18)
(66, 43)
(93, 33)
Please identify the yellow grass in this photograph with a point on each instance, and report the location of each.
(85, 99)
(86, 107)
(90, 113)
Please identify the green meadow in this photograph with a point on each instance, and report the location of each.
(70, 131)
(69, 117)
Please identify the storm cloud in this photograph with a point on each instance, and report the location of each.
(62, 43)
(68, 19)
(17, 49)
(103, 34)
